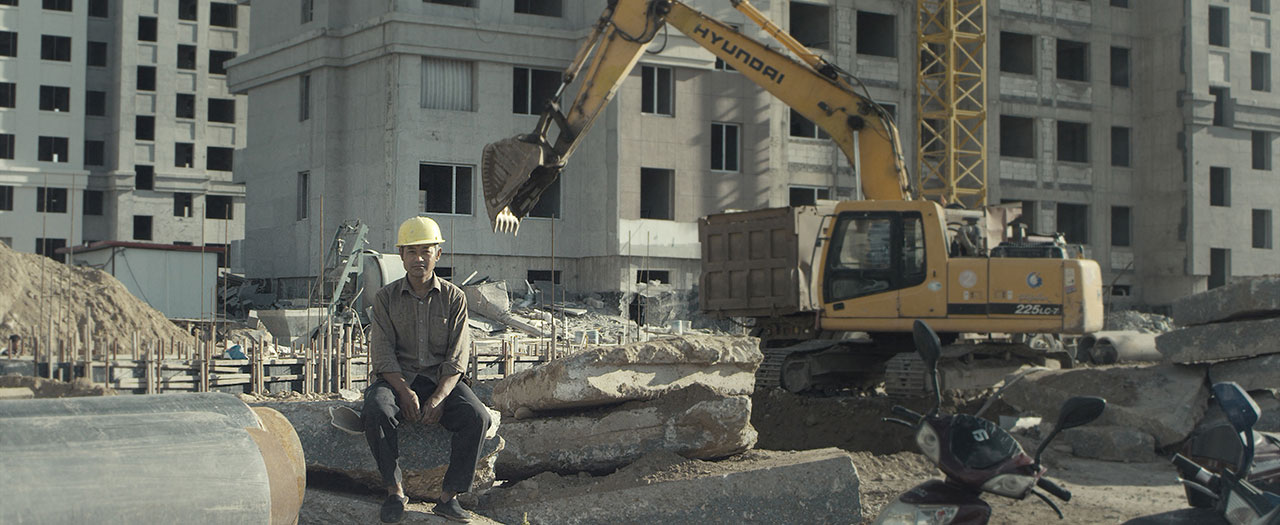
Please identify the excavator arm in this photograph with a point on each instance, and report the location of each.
(515, 171)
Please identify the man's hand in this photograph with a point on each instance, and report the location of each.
(432, 410)
(409, 405)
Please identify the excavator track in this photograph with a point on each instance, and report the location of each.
(769, 375)
(823, 366)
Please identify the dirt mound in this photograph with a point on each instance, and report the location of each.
(36, 291)
(44, 388)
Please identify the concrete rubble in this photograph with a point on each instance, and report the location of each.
(1163, 400)
(1244, 298)
(424, 450)
(1220, 341)
(1141, 322)
(695, 422)
(1230, 322)
(639, 371)
(816, 486)
(1257, 373)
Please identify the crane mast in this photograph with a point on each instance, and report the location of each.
(951, 105)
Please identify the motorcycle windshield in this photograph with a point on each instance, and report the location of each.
(980, 444)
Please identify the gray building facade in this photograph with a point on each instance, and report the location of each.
(1142, 130)
(122, 127)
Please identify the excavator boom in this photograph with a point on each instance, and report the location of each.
(515, 171)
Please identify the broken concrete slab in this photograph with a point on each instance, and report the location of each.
(609, 375)
(1111, 443)
(1163, 400)
(1255, 373)
(695, 422)
(1269, 421)
(814, 486)
(1243, 298)
(424, 450)
(1220, 341)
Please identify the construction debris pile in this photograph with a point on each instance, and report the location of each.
(1133, 320)
(39, 295)
(1227, 334)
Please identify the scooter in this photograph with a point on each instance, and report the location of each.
(1218, 447)
(1238, 499)
(975, 454)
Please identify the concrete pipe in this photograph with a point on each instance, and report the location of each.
(169, 458)
(1119, 346)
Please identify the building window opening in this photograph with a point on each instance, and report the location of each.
(657, 197)
(1219, 267)
(540, 7)
(1262, 229)
(444, 188)
(183, 204)
(1073, 141)
(807, 195)
(1017, 53)
(1073, 222)
(218, 207)
(1218, 32)
(1073, 60)
(1017, 137)
(1219, 186)
(142, 227)
(811, 24)
(656, 90)
(649, 276)
(1121, 226)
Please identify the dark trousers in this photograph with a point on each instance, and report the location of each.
(464, 415)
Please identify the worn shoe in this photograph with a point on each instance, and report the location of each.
(393, 509)
(451, 510)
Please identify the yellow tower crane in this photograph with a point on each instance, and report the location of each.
(951, 106)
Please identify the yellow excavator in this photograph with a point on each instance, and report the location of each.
(818, 281)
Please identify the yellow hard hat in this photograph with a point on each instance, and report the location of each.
(419, 230)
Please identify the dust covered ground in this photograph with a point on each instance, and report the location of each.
(888, 464)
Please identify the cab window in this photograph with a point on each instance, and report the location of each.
(874, 252)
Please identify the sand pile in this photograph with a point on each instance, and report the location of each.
(36, 291)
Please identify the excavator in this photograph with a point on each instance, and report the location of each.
(832, 289)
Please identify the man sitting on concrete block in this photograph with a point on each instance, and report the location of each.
(419, 351)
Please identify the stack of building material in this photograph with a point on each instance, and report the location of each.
(642, 418)
(1233, 329)
(602, 408)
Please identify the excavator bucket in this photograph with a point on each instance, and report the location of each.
(505, 167)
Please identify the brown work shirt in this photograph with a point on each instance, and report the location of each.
(420, 335)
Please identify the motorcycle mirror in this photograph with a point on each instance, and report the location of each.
(1242, 412)
(1240, 409)
(930, 349)
(1076, 411)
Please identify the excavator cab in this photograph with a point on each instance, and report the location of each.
(873, 252)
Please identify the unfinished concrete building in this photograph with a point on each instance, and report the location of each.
(116, 123)
(1118, 123)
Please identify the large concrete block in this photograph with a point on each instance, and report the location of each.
(694, 422)
(1219, 341)
(815, 486)
(1255, 373)
(1111, 443)
(424, 450)
(1239, 299)
(1162, 400)
(610, 375)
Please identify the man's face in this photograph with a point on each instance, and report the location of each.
(420, 259)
